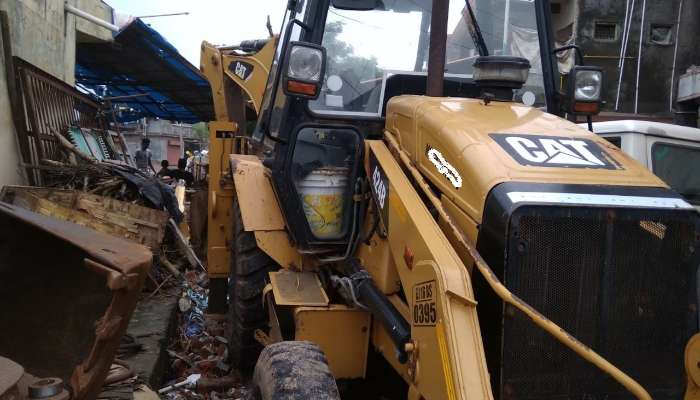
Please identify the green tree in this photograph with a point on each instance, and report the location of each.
(200, 131)
(342, 57)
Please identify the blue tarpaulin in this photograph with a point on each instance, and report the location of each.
(141, 62)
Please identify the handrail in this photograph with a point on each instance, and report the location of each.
(507, 296)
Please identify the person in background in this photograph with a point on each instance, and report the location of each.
(183, 173)
(143, 157)
(179, 173)
(163, 168)
(190, 161)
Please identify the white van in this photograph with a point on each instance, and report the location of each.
(672, 152)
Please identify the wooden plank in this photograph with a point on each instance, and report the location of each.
(140, 224)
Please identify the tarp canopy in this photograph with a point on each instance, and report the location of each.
(141, 62)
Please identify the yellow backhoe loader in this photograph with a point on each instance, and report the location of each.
(412, 217)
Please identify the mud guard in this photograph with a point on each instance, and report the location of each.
(261, 211)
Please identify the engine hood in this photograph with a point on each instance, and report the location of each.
(465, 148)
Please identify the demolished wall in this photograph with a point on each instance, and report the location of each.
(44, 35)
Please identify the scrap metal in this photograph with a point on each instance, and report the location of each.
(78, 285)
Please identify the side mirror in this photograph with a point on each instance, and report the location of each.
(304, 69)
(584, 90)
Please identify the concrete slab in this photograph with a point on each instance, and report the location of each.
(152, 325)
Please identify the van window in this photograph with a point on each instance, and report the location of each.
(676, 165)
(616, 140)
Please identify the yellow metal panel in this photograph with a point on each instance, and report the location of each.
(292, 288)
(276, 244)
(376, 258)
(450, 302)
(465, 223)
(260, 210)
(692, 368)
(460, 128)
(259, 207)
(210, 65)
(341, 332)
(254, 85)
(219, 228)
(218, 262)
(384, 346)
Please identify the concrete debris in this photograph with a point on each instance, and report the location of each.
(184, 246)
(189, 383)
(199, 351)
(143, 392)
(119, 371)
(109, 179)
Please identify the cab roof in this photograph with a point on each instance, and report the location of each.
(648, 128)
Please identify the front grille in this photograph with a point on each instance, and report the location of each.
(621, 281)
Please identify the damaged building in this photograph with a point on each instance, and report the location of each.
(45, 34)
(109, 235)
(644, 48)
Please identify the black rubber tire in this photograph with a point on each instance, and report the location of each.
(294, 370)
(218, 291)
(247, 278)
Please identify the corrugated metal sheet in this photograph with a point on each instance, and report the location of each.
(142, 62)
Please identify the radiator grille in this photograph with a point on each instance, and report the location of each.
(618, 280)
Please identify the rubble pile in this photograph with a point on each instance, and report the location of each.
(72, 168)
(199, 352)
(118, 181)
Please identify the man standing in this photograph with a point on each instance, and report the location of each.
(143, 157)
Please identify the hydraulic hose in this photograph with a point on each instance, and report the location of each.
(381, 308)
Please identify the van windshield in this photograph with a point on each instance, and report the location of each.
(365, 47)
(675, 165)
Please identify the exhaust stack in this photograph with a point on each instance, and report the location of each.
(438, 45)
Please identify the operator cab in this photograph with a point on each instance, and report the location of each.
(339, 62)
(373, 55)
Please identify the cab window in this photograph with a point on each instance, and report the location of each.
(616, 140)
(676, 164)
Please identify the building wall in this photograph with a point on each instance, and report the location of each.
(167, 139)
(657, 75)
(160, 126)
(44, 35)
(163, 147)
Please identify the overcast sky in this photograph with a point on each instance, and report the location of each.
(390, 37)
(216, 21)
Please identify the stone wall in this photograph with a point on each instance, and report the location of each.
(658, 76)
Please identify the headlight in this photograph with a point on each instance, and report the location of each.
(305, 64)
(588, 84)
(304, 67)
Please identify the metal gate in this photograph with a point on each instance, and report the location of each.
(47, 107)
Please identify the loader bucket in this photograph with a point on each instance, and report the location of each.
(67, 294)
